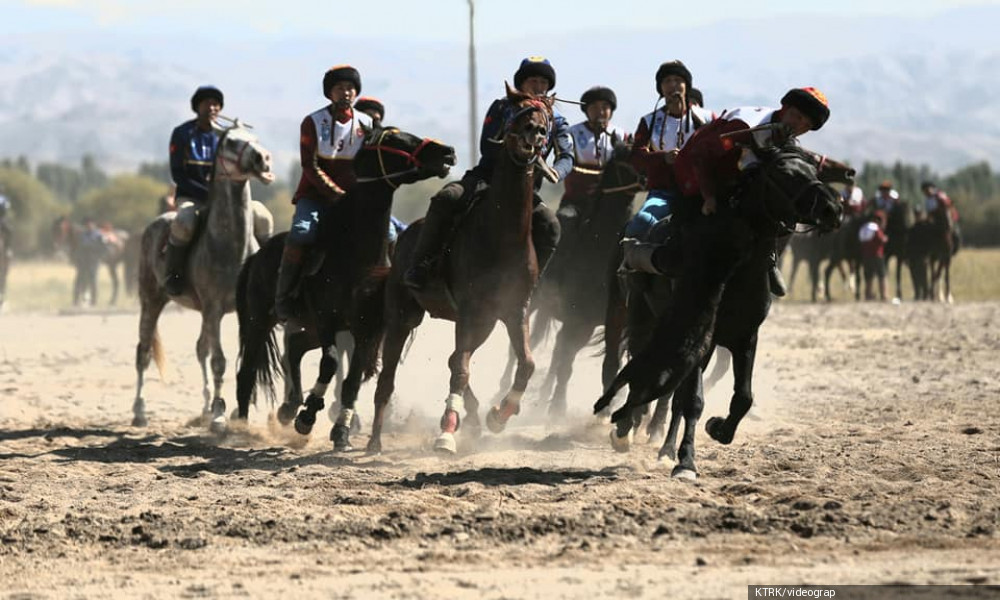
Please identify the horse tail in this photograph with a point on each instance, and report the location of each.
(258, 360)
(370, 322)
(159, 356)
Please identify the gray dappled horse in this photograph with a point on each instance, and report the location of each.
(214, 260)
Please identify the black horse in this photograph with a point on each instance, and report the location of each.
(345, 287)
(931, 244)
(721, 298)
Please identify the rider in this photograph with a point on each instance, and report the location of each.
(593, 146)
(534, 76)
(939, 207)
(193, 145)
(658, 139)
(330, 138)
(853, 199)
(711, 165)
(885, 198)
(695, 98)
(192, 153)
(372, 107)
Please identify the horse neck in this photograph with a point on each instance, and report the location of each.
(369, 221)
(230, 222)
(510, 202)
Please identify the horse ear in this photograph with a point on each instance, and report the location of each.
(512, 94)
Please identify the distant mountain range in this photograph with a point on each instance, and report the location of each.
(922, 90)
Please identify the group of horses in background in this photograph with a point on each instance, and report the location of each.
(716, 296)
(925, 246)
(88, 246)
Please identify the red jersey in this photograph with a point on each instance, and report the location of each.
(873, 240)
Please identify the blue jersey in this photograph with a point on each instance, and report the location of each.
(192, 154)
(491, 140)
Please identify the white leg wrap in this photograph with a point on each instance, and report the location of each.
(345, 416)
(456, 403)
(319, 390)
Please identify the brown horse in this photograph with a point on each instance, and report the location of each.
(88, 247)
(490, 272)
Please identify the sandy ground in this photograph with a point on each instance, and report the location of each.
(872, 456)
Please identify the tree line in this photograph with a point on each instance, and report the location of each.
(41, 193)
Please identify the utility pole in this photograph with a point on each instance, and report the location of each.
(473, 116)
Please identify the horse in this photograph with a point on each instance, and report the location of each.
(721, 298)
(898, 223)
(344, 291)
(223, 243)
(812, 249)
(88, 247)
(490, 272)
(930, 247)
(5, 259)
(845, 247)
(568, 291)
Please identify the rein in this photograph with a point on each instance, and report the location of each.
(411, 158)
(781, 225)
(222, 160)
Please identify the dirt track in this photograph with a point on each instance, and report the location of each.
(873, 455)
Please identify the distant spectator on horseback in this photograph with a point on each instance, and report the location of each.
(873, 241)
(713, 161)
(4, 212)
(853, 199)
(372, 107)
(940, 209)
(885, 197)
(329, 140)
(193, 145)
(535, 76)
(593, 146)
(658, 138)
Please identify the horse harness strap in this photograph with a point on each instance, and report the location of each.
(411, 158)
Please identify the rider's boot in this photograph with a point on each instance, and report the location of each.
(774, 278)
(285, 306)
(429, 245)
(639, 255)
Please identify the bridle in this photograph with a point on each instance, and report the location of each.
(532, 106)
(782, 226)
(411, 159)
(223, 159)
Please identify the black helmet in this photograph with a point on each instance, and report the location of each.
(206, 91)
(599, 93)
(341, 73)
(535, 66)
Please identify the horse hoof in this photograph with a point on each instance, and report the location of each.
(684, 473)
(445, 443)
(139, 421)
(493, 421)
(355, 424)
(714, 428)
(340, 435)
(374, 447)
(667, 453)
(287, 413)
(621, 444)
(655, 435)
(218, 425)
(304, 423)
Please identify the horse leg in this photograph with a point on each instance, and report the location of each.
(947, 281)
(315, 401)
(341, 431)
(571, 339)
(657, 423)
(113, 271)
(392, 350)
(723, 430)
(296, 346)
(517, 330)
(344, 342)
(470, 333)
(692, 400)
(826, 280)
(669, 448)
(218, 363)
(149, 347)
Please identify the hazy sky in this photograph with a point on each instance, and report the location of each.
(431, 20)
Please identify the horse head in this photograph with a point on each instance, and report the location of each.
(397, 157)
(619, 175)
(527, 130)
(241, 156)
(789, 192)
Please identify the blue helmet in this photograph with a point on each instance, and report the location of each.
(535, 66)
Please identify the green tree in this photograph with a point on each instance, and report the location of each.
(128, 201)
(33, 208)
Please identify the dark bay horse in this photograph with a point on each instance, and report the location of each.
(491, 271)
(345, 290)
(929, 250)
(721, 298)
(214, 262)
(569, 291)
(87, 249)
